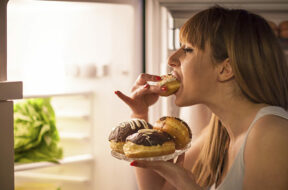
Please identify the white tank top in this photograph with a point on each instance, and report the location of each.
(235, 176)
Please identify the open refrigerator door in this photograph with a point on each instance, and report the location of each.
(73, 56)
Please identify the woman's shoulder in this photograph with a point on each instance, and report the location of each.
(269, 125)
(269, 128)
(266, 152)
(268, 137)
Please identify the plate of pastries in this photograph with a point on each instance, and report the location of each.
(136, 139)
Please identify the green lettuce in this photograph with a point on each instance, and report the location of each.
(35, 134)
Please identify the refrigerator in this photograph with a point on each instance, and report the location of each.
(77, 53)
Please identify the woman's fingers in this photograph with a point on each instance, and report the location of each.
(141, 98)
(180, 160)
(146, 89)
(125, 98)
(177, 176)
(144, 78)
(141, 91)
(137, 93)
(167, 170)
(159, 166)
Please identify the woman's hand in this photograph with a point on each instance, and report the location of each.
(173, 173)
(142, 95)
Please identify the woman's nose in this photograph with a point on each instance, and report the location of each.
(173, 60)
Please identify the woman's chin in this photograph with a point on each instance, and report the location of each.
(179, 102)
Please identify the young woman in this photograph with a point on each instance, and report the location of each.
(230, 61)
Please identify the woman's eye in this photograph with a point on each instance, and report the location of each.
(187, 50)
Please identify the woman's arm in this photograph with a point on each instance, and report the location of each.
(266, 155)
(142, 96)
(149, 179)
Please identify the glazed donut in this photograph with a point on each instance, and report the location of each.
(171, 82)
(177, 128)
(119, 134)
(148, 143)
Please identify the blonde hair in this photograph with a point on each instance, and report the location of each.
(259, 67)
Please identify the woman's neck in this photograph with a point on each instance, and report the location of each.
(236, 115)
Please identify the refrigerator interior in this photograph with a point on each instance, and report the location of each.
(164, 19)
(77, 54)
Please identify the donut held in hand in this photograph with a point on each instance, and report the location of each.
(171, 82)
(177, 128)
(118, 135)
(148, 143)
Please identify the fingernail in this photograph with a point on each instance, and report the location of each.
(116, 92)
(158, 78)
(146, 86)
(163, 88)
(134, 163)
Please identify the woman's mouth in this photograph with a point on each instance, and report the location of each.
(176, 76)
(178, 79)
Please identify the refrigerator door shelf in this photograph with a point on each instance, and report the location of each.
(52, 177)
(68, 160)
(74, 136)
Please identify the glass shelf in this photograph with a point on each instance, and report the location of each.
(76, 136)
(53, 177)
(67, 160)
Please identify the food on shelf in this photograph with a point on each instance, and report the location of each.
(35, 134)
(118, 135)
(283, 29)
(177, 128)
(171, 82)
(274, 27)
(148, 143)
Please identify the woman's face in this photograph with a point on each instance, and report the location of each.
(194, 68)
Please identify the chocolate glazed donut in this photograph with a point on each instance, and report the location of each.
(119, 134)
(148, 143)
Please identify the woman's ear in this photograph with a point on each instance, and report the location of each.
(224, 71)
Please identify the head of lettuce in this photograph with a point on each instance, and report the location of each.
(35, 134)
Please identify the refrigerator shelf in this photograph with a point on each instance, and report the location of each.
(75, 136)
(52, 177)
(68, 160)
(56, 94)
(84, 116)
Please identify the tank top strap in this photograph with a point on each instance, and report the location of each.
(268, 110)
(235, 176)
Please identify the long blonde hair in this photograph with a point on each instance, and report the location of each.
(259, 67)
